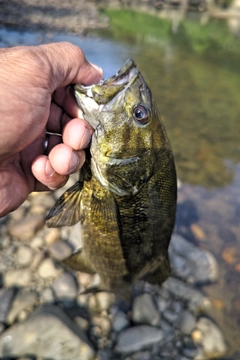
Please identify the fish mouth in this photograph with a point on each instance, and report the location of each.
(98, 96)
(125, 75)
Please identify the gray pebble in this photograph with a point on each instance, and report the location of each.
(137, 338)
(166, 327)
(48, 333)
(182, 291)
(190, 263)
(47, 269)
(6, 297)
(101, 301)
(142, 355)
(23, 300)
(2, 327)
(26, 227)
(144, 310)
(52, 235)
(60, 250)
(47, 296)
(20, 277)
(24, 255)
(212, 339)
(186, 322)
(171, 316)
(120, 321)
(65, 287)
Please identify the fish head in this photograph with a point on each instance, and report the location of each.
(128, 132)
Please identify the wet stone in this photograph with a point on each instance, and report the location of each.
(26, 227)
(65, 287)
(141, 355)
(120, 321)
(195, 299)
(24, 255)
(52, 235)
(48, 333)
(190, 263)
(82, 323)
(47, 296)
(144, 310)
(60, 250)
(101, 301)
(171, 316)
(212, 340)
(186, 322)
(20, 277)
(47, 269)
(2, 327)
(23, 300)
(6, 298)
(137, 338)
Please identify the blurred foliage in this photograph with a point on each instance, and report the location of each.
(194, 75)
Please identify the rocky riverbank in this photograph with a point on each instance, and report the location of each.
(43, 314)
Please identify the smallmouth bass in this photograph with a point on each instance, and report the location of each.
(126, 195)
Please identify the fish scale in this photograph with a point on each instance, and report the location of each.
(126, 196)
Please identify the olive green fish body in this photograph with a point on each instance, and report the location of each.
(126, 195)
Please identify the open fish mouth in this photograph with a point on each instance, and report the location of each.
(125, 75)
(98, 96)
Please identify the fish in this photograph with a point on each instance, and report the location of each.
(126, 195)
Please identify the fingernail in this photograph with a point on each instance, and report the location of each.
(49, 170)
(100, 70)
(73, 163)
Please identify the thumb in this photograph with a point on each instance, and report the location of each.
(66, 64)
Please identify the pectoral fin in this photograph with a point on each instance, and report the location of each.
(79, 262)
(67, 210)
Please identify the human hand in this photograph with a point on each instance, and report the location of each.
(35, 99)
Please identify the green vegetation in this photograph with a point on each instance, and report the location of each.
(194, 75)
(131, 25)
(135, 26)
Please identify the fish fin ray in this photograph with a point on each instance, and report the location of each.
(67, 210)
(156, 272)
(108, 208)
(79, 262)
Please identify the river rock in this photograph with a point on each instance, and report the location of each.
(60, 250)
(137, 338)
(65, 287)
(120, 321)
(52, 235)
(20, 277)
(186, 322)
(47, 333)
(101, 301)
(188, 262)
(47, 269)
(141, 355)
(23, 300)
(27, 227)
(47, 296)
(144, 310)
(6, 297)
(180, 290)
(212, 340)
(24, 255)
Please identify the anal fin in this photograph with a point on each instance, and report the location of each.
(78, 261)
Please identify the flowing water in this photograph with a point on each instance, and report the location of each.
(194, 73)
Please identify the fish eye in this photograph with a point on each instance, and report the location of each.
(141, 114)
